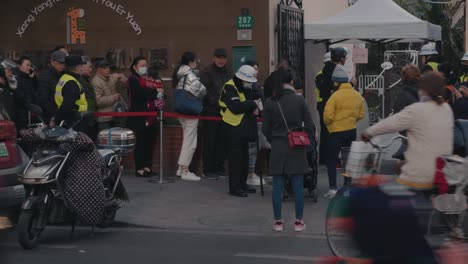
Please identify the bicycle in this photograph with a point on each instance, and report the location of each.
(449, 206)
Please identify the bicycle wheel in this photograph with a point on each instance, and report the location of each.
(338, 226)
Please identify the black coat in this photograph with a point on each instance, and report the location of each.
(7, 103)
(138, 96)
(24, 97)
(283, 159)
(46, 91)
(408, 96)
(326, 88)
(460, 109)
(213, 78)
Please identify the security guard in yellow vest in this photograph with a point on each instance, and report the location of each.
(69, 93)
(464, 77)
(239, 126)
(431, 59)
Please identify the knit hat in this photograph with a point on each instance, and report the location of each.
(340, 75)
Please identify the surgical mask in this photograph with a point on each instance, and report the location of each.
(142, 71)
(13, 83)
(248, 85)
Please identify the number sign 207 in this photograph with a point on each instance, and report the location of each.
(244, 22)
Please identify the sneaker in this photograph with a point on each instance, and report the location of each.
(189, 176)
(299, 226)
(211, 176)
(221, 174)
(179, 172)
(330, 194)
(254, 180)
(278, 226)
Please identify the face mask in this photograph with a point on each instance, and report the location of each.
(142, 71)
(13, 82)
(248, 85)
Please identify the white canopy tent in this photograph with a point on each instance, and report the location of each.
(373, 20)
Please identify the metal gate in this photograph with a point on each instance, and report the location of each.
(291, 37)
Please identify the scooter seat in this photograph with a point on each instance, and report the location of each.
(107, 154)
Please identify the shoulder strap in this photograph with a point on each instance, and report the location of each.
(185, 80)
(282, 115)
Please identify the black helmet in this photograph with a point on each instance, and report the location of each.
(339, 53)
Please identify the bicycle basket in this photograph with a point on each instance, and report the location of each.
(361, 159)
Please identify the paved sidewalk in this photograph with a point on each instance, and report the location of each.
(206, 205)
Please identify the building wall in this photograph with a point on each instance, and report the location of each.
(200, 26)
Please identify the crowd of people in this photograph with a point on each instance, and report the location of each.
(69, 86)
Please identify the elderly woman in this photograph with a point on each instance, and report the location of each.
(287, 110)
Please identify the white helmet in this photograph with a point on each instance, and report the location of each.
(327, 57)
(429, 49)
(247, 74)
(465, 57)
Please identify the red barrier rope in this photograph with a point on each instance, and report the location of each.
(166, 115)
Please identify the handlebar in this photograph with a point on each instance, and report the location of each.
(384, 146)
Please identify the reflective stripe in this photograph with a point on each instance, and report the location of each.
(464, 78)
(227, 115)
(318, 97)
(81, 103)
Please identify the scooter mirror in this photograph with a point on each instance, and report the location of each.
(36, 109)
(387, 65)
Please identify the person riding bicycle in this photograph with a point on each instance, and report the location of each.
(429, 125)
(387, 213)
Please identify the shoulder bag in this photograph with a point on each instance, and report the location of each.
(297, 139)
(185, 102)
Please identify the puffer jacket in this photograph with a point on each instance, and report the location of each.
(344, 109)
(190, 82)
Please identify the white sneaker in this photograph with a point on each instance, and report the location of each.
(189, 176)
(179, 172)
(330, 194)
(254, 180)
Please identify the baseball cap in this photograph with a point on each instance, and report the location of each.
(220, 52)
(73, 60)
(58, 56)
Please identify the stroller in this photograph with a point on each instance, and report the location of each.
(310, 178)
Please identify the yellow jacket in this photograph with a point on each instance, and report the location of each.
(344, 109)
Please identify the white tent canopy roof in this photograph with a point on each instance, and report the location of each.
(373, 20)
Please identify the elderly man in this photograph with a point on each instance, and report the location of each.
(105, 87)
(213, 78)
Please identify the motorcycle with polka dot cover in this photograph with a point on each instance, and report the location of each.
(67, 181)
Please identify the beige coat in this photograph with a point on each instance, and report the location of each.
(430, 135)
(105, 90)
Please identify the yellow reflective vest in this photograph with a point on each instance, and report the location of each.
(227, 116)
(318, 97)
(81, 103)
(434, 66)
(464, 78)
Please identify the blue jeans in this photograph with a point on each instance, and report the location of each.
(297, 182)
(336, 141)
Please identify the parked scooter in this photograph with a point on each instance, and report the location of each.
(45, 198)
